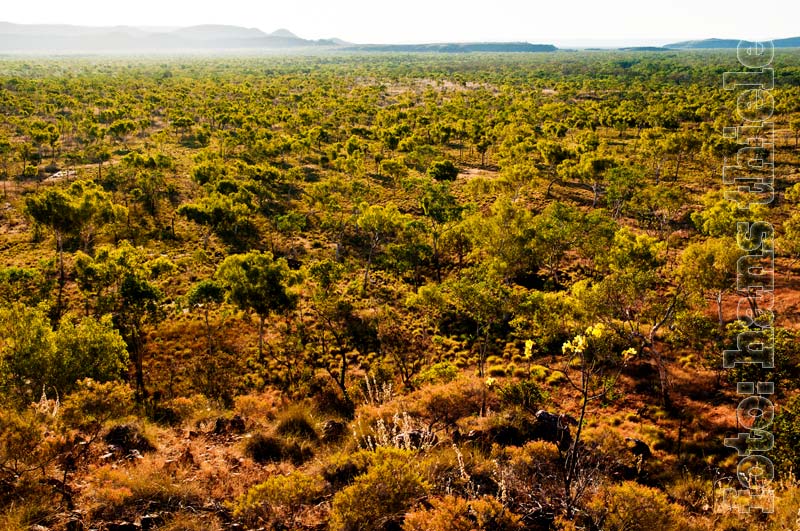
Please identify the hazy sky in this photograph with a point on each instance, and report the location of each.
(371, 21)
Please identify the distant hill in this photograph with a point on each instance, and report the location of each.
(708, 44)
(643, 49)
(456, 47)
(284, 33)
(57, 38)
(207, 32)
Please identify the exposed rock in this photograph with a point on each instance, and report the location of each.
(127, 440)
(333, 431)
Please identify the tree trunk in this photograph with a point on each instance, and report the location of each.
(260, 338)
(62, 278)
(436, 264)
(369, 265)
(208, 332)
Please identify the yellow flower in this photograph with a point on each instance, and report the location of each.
(596, 331)
(580, 343)
(490, 382)
(528, 348)
(628, 353)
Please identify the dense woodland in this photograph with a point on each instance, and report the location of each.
(383, 292)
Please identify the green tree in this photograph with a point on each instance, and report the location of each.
(88, 348)
(380, 223)
(443, 170)
(442, 210)
(259, 283)
(121, 282)
(78, 211)
(710, 266)
(225, 215)
(203, 295)
(34, 358)
(635, 298)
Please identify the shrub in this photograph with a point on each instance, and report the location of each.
(443, 372)
(446, 404)
(538, 372)
(525, 394)
(190, 521)
(128, 439)
(457, 514)
(94, 403)
(631, 507)
(279, 499)
(342, 469)
(260, 406)
(443, 170)
(270, 449)
(786, 429)
(297, 423)
(122, 492)
(379, 498)
(264, 448)
(496, 371)
(28, 442)
(36, 357)
(88, 349)
(555, 378)
(694, 492)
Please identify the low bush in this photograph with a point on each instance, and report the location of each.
(343, 468)
(443, 372)
(279, 500)
(270, 449)
(378, 499)
(525, 394)
(629, 506)
(457, 514)
(297, 423)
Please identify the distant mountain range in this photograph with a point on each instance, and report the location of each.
(67, 39)
(35, 38)
(456, 47)
(709, 44)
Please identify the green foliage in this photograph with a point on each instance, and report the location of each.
(34, 358)
(457, 514)
(382, 495)
(297, 423)
(632, 507)
(23, 284)
(786, 429)
(443, 170)
(88, 349)
(28, 443)
(27, 352)
(94, 403)
(525, 394)
(80, 210)
(257, 282)
(442, 372)
(719, 214)
(278, 500)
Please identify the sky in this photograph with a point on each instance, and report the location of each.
(560, 22)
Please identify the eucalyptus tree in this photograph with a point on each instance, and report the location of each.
(257, 282)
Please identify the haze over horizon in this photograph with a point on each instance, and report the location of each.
(566, 23)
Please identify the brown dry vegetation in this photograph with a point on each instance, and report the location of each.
(394, 386)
